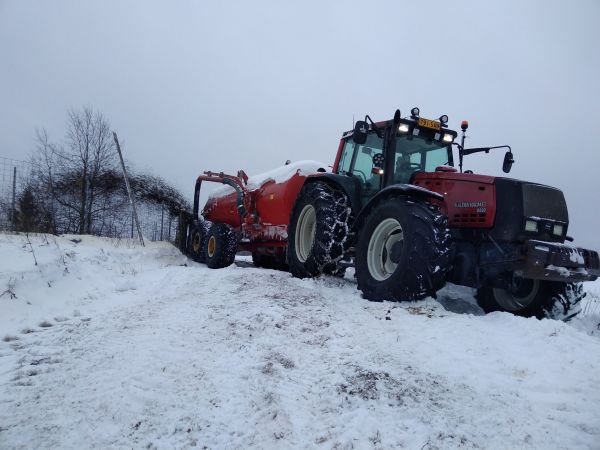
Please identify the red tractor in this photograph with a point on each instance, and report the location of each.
(396, 208)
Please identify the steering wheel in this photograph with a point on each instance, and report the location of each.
(408, 167)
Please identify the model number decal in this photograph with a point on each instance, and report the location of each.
(470, 204)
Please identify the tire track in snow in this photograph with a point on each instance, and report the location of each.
(242, 357)
(322, 374)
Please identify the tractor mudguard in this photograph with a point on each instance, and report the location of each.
(349, 185)
(408, 190)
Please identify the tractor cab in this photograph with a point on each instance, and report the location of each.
(381, 154)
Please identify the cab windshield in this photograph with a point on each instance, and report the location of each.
(416, 154)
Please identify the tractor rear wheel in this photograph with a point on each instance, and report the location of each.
(319, 231)
(220, 247)
(403, 251)
(196, 243)
(534, 298)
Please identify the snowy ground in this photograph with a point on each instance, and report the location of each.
(107, 345)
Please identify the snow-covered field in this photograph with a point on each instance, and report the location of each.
(108, 345)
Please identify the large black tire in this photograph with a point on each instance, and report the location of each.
(220, 247)
(403, 251)
(534, 298)
(319, 231)
(196, 243)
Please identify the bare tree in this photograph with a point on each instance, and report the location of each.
(77, 186)
(81, 174)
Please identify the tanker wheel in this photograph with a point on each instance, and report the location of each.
(196, 243)
(319, 231)
(534, 298)
(403, 251)
(220, 247)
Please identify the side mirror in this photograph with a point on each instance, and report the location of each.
(361, 129)
(508, 162)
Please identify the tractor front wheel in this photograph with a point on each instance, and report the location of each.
(220, 247)
(403, 251)
(319, 231)
(534, 298)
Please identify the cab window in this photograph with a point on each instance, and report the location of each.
(346, 158)
(406, 165)
(418, 155)
(435, 158)
(364, 161)
(357, 161)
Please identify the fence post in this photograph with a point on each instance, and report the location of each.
(129, 192)
(162, 215)
(170, 218)
(14, 194)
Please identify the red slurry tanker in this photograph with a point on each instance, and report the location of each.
(396, 208)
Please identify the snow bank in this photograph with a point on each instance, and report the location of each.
(73, 275)
(142, 348)
(278, 175)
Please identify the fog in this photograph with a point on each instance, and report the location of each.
(192, 86)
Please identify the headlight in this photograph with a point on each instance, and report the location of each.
(403, 128)
(558, 229)
(448, 137)
(531, 225)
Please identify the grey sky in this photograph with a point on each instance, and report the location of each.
(191, 86)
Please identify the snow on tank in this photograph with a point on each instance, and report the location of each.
(278, 175)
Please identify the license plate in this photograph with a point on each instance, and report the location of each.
(429, 124)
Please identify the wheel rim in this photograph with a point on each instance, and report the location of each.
(212, 245)
(386, 234)
(196, 242)
(520, 295)
(305, 232)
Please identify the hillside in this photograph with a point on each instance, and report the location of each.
(107, 344)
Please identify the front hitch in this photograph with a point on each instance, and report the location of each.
(558, 262)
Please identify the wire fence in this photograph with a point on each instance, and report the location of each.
(13, 179)
(155, 221)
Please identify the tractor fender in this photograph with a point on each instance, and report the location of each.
(349, 185)
(408, 190)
